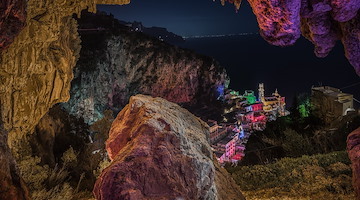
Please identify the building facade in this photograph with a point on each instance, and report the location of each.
(330, 103)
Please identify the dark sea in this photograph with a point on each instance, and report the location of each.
(249, 60)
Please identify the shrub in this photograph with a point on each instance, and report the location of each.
(306, 176)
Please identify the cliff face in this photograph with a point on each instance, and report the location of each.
(158, 151)
(353, 149)
(116, 64)
(36, 69)
(323, 22)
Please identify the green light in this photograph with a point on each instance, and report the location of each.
(250, 97)
(234, 93)
(304, 108)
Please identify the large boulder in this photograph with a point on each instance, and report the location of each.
(353, 149)
(158, 151)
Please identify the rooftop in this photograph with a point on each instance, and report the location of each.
(225, 140)
(330, 91)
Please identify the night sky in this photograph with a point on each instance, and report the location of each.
(188, 17)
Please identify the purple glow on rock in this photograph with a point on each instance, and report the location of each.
(344, 10)
(322, 32)
(279, 21)
(323, 22)
(351, 41)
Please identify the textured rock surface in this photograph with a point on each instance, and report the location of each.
(353, 149)
(279, 21)
(12, 20)
(36, 69)
(158, 151)
(225, 185)
(351, 41)
(12, 186)
(116, 64)
(323, 22)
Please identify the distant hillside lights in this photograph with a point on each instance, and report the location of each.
(250, 114)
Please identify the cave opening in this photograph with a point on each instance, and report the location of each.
(72, 99)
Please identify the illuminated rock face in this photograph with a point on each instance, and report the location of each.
(279, 20)
(353, 149)
(351, 41)
(12, 20)
(323, 22)
(36, 69)
(158, 151)
(128, 63)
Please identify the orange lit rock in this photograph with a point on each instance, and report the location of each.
(37, 68)
(236, 3)
(158, 151)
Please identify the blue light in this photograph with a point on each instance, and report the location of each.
(220, 91)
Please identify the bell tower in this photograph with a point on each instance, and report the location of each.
(261, 91)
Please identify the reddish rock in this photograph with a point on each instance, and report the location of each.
(323, 22)
(158, 151)
(353, 149)
(322, 31)
(12, 20)
(344, 10)
(12, 186)
(351, 41)
(279, 21)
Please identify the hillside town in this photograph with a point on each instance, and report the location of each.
(249, 113)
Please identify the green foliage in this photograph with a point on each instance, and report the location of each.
(33, 174)
(288, 138)
(47, 183)
(69, 158)
(307, 176)
(59, 192)
(295, 144)
(102, 165)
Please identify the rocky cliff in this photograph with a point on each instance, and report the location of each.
(36, 69)
(116, 63)
(323, 22)
(353, 149)
(159, 151)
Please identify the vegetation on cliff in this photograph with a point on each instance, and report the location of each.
(321, 177)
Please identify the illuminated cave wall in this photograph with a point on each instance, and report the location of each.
(37, 68)
(323, 22)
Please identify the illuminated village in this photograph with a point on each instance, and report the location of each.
(228, 140)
